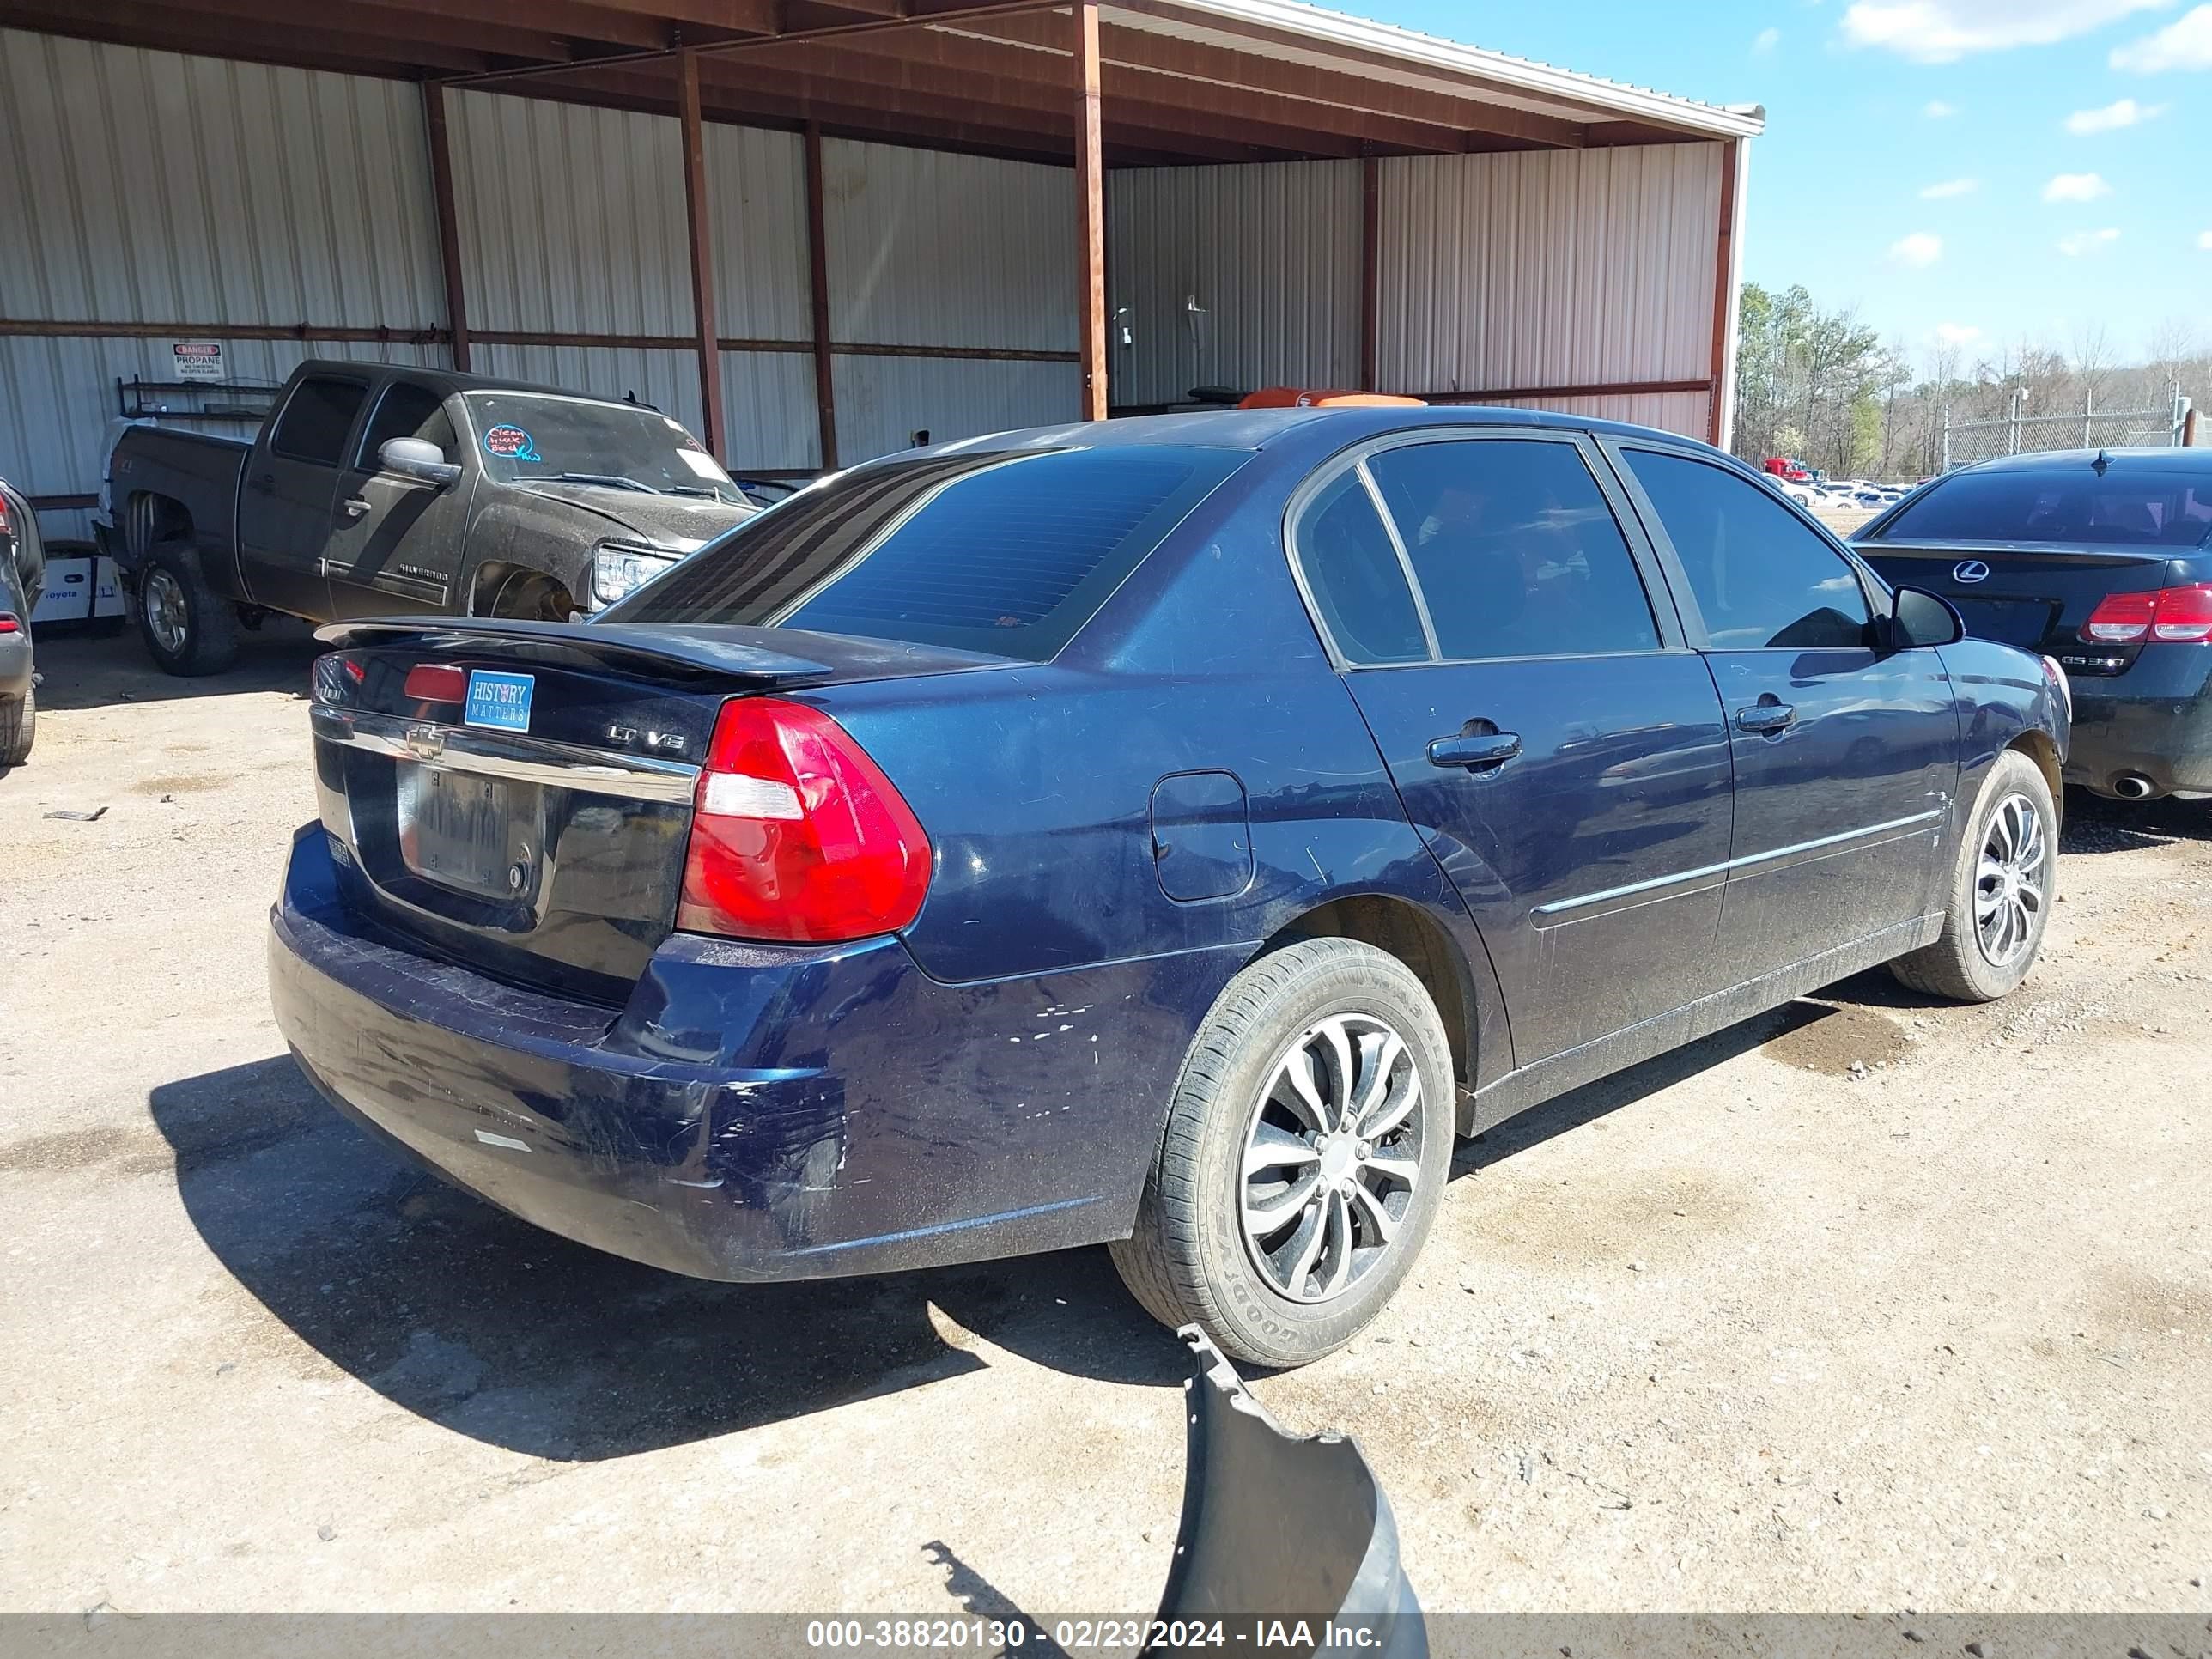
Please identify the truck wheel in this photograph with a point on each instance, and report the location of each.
(19, 727)
(1305, 1155)
(188, 626)
(530, 596)
(2002, 890)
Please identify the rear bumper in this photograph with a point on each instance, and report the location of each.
(15, 665)
(755, 1112)
(2154, 722)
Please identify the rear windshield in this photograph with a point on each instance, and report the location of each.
(617, 446)
(1007, 554)
(2121, 509)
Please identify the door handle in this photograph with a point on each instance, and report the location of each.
(1475, 749)
(354, 507)
(1765, 717)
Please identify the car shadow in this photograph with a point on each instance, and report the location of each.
(2094, 824)
(489, 1327)
(94, 669)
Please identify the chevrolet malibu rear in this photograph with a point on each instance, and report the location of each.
(1169, 834)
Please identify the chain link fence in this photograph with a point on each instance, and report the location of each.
(2087, 428)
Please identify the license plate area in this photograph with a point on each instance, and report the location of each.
(467, 830)
(2009, 621)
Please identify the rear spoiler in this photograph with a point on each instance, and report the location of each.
(762, 658)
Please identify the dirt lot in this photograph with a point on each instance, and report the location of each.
(1742, 1329)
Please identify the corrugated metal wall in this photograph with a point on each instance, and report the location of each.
(1514, 271)
(1543, 268)
(143, 187)
(1269, 255)
(147, 187)
(932, 249)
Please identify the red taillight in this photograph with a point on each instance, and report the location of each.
(9, 624)
(796, 834)
(2171, 615)
(436, 682)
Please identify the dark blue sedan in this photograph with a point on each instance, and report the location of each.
(1170, 832)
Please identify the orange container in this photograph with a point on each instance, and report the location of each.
(1291, 397)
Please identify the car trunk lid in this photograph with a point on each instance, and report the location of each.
(519, 796)
(2033, 597)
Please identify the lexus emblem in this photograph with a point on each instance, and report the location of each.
(1969, 571)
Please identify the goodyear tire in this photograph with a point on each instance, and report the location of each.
(1304, 1157)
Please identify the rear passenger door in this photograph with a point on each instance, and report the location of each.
(290, 489)
(396, 545)
(1846, 751)
(1555, 741)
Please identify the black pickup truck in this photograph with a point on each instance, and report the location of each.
(376, 490)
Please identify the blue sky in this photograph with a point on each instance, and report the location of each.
(2038, 230)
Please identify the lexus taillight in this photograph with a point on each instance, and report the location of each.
(2170, 616)
(796, 833)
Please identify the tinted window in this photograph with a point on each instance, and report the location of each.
(2122, 508)
(408, 411)
(1008, 554)
(1516, 551)
(1759, 575)
(316, 420)
(1359, 586)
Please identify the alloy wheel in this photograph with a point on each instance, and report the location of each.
(2011, 880)
(1331, 1158)
(166, 614)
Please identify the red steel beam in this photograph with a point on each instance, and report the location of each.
(1091, 209)
(449, 234)
(696, 214)
(818, 278)
(1723, 291)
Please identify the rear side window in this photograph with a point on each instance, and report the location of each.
(1352, 570)
(1516, 552)
(316, 419)
(1006, 554)
(408, 412)
(1760, 577)
(2121, 509)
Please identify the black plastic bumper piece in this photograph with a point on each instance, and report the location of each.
(1284, 1529)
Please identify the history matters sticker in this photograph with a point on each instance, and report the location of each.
(510, 443)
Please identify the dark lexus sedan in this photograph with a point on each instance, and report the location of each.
(1170, 832)
(2102, 559)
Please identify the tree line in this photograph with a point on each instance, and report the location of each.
(1818, 384)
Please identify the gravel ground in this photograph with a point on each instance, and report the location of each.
(1867, 1304)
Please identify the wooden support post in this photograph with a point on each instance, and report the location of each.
(703, 251)
(449, 234)
(1725, 297)
(1370, 270)
(817, 265)
(1090, 210)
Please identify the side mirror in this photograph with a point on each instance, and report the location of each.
(418, 459)
(1921, 618)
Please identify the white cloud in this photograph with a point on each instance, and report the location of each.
(2076, 187)
(2204, 240)
(1942, 31)
(1767, 41)
(1956, 334)
(1950, 187)
(2185, 43)
(2112, 116)
(1920, 248)
(2087, 241)
(1936, 110)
